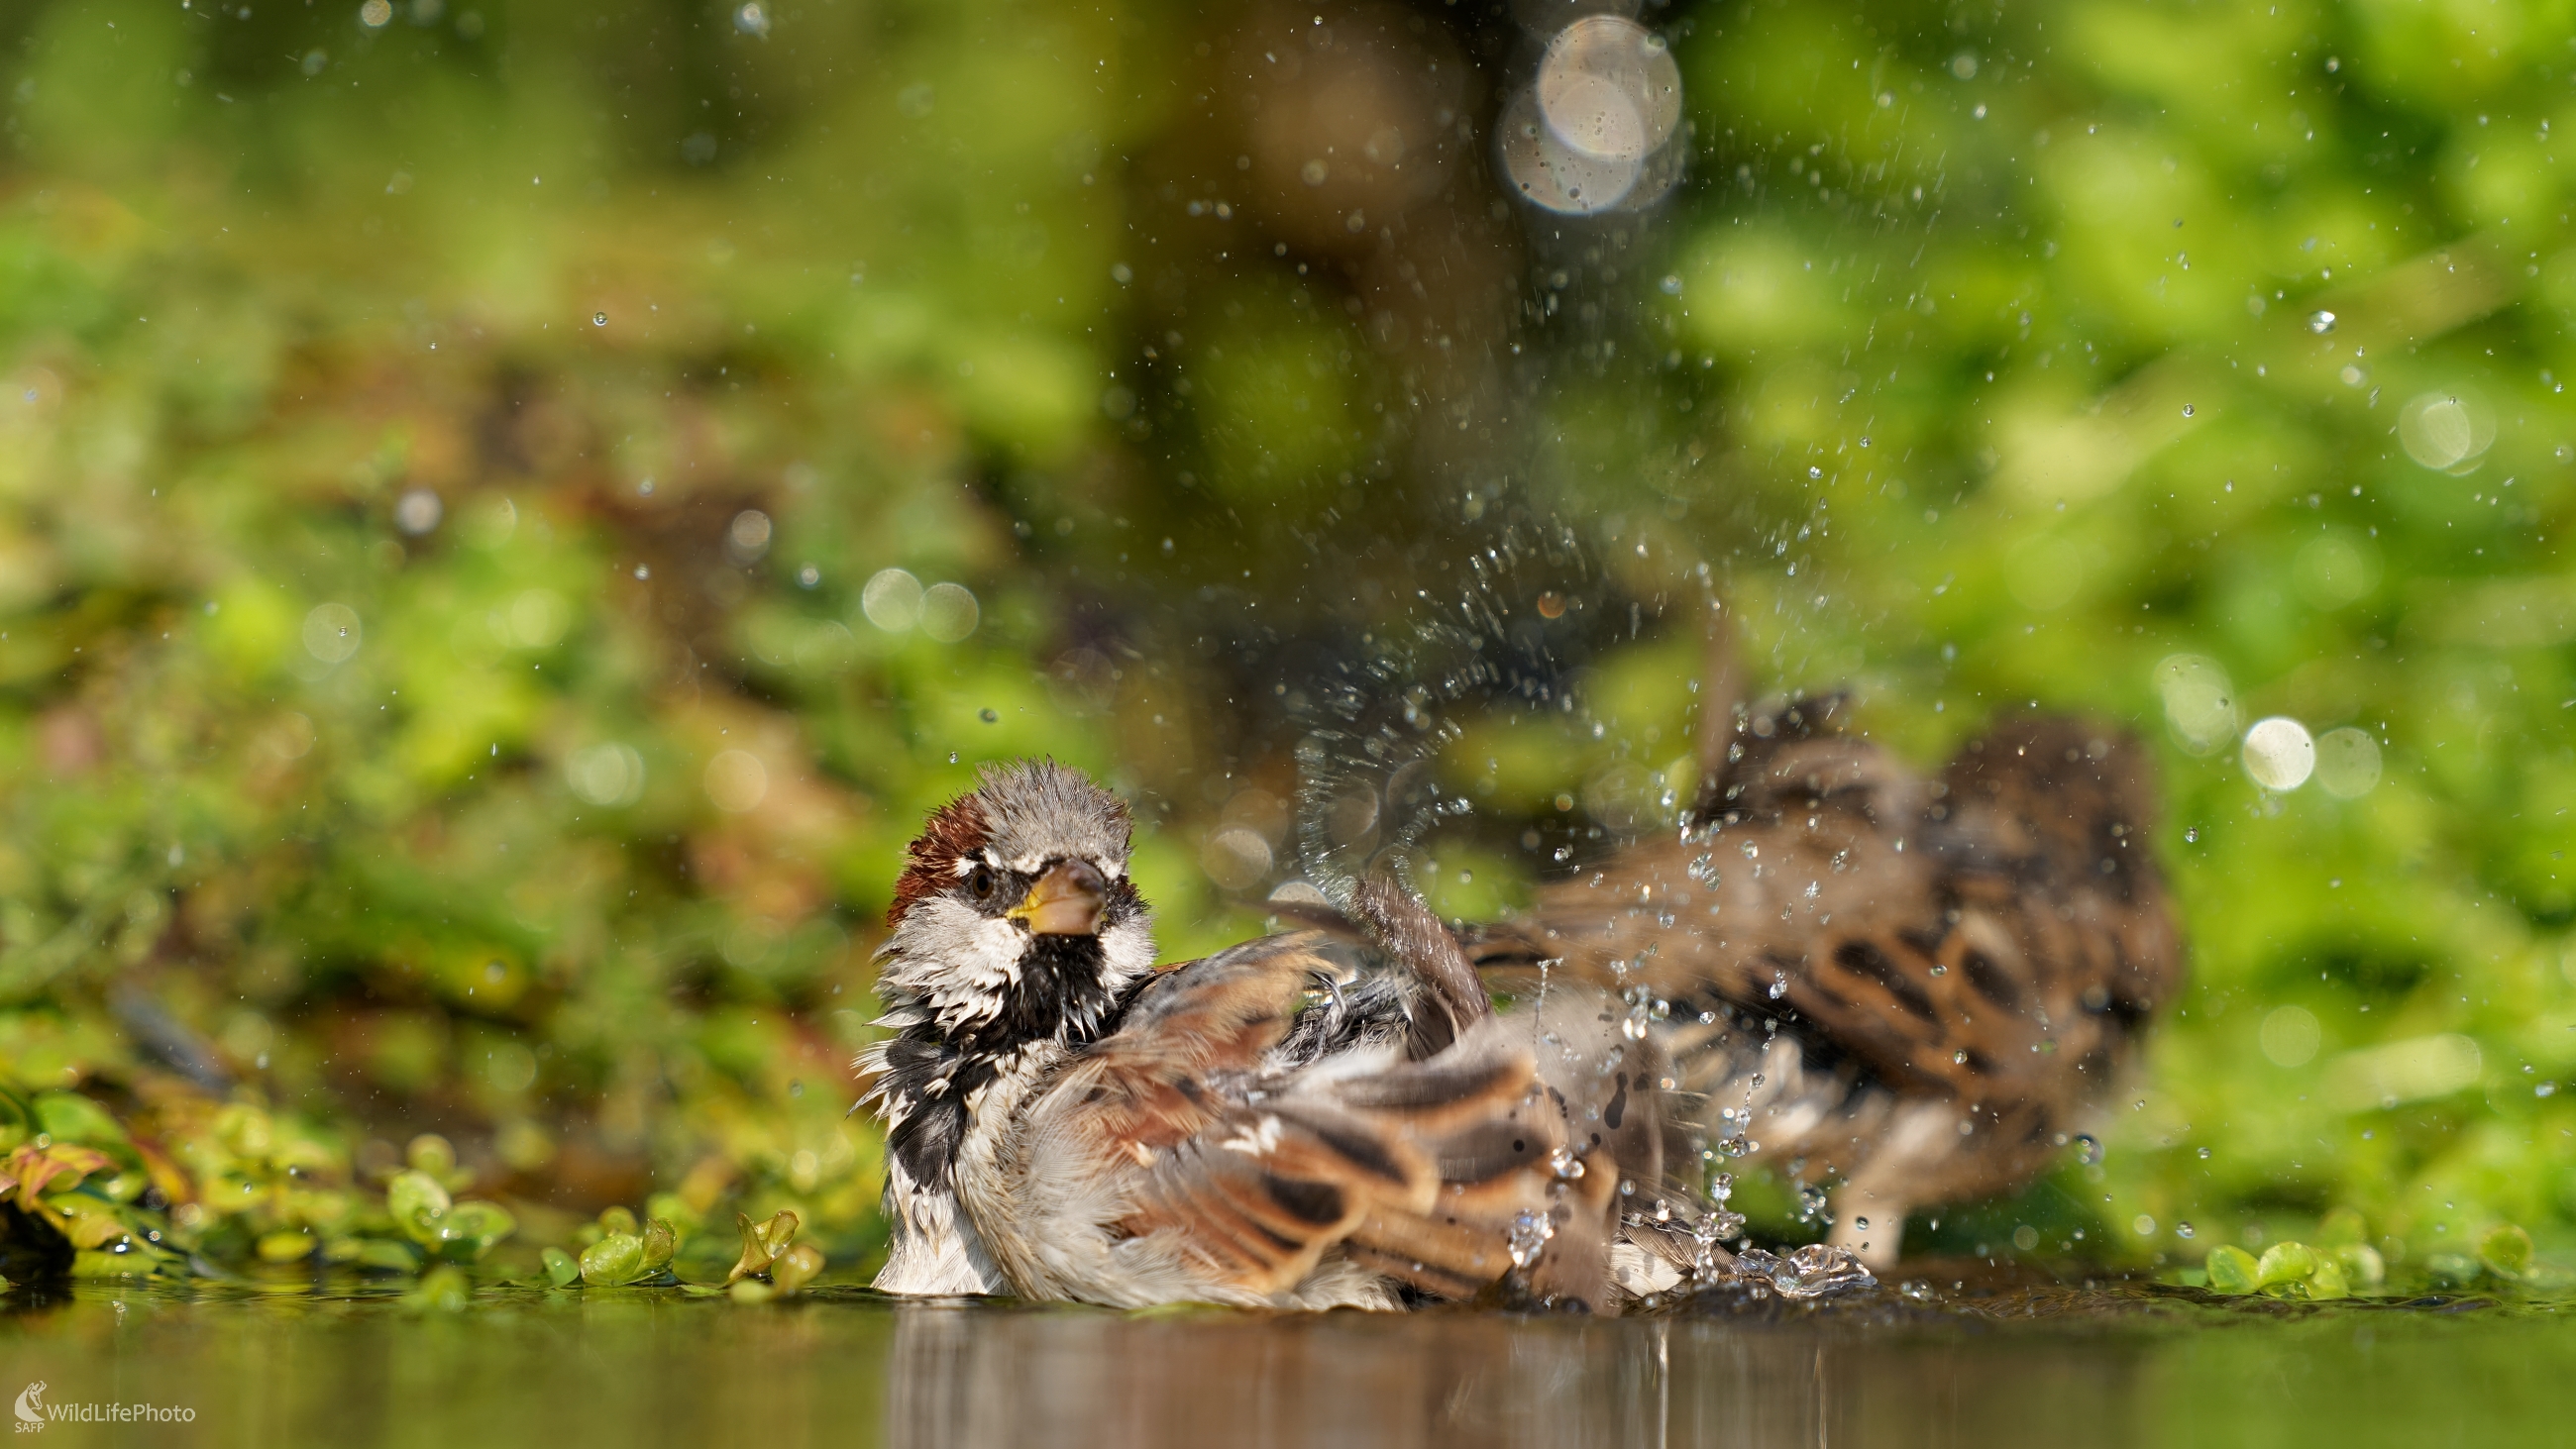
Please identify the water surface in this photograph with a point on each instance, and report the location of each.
(2112, 1365)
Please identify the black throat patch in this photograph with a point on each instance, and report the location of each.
(930, 1073)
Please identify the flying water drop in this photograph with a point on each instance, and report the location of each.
(1530, 1232)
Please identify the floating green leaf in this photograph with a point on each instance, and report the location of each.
(661, 1242)
(762, 1243)
(616, 1258)
(562, 1270)
(386, 1256)
(2285, 1265)
(2233, 1270)
(2361, 1264)
(471, 1228)
(287, 1247)
(444, 1289)
(795, 1268)
(418, 1204)
(2506, 1251)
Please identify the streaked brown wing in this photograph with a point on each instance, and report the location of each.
(1150, 1082)
(1552, 1153)
(1993, 938)
(1422, 1167)
(1257, 1198)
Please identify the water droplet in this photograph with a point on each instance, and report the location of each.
(952, 757)
(1564, 1164)
(2182, 1230)
(2186, 410)
(598, 319)
(643, 571)
(1959, 1058)
(2088, 1149)
(2204, 1154)
(2321, 322)
(2191, 835)
(1529, 1235)
(987, 716)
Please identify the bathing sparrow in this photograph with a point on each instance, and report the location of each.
(1329, 1117)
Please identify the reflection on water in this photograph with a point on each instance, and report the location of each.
(2116, 1367)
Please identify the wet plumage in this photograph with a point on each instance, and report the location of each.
(1330, 1117)
(1919, 986)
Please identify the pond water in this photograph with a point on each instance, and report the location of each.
(2117, 1364)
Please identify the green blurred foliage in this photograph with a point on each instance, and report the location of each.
(2025, 316)
(444, 459)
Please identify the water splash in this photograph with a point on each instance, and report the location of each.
(1512, 635)
(1529, 1236)
(1817, 1270)
(1812, 1201)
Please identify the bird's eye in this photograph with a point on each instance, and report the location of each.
(983, 884)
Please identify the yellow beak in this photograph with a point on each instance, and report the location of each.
(1066, 901)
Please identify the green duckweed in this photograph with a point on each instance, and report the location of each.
(2232, 1270)
(616, 1258)
(2505, 1251)
(562, 1269)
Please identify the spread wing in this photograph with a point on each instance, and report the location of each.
(1252, 1173)
(1994, 937)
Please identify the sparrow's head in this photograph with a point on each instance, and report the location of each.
(1014, 920)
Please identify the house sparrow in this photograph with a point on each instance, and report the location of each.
(1329, 1117)
(1918, 986)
